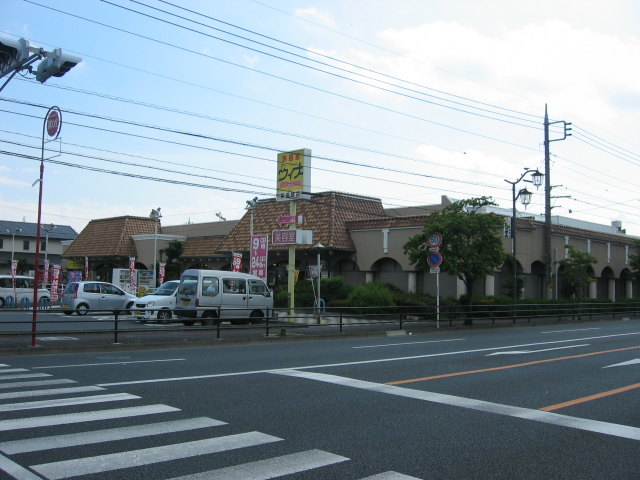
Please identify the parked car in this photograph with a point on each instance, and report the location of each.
(159, 304)
(81, 297)
(24, 289)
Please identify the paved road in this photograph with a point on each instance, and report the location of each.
(542, 402)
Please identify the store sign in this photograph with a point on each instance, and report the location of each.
(292, 237)
(294, 175)
(259, 253)
(236, 265)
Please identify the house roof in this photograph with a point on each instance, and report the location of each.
(326, 214)
(201, 246)
(110, 237)
(61, 232)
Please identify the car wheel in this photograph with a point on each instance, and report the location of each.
(256, 317)
(209, 318)
(129, 307)
(67, 312)
(164, 314)
(2, 302)
(81, 310)
(188, 323)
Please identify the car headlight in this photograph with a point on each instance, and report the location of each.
(151, 304)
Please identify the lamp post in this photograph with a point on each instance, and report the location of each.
(251, 206)
(525, 198)
(47, 229)
(155, 214)
(319, 247)
(13, 232)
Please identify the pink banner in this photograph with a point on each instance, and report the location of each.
(14, 269)
(132, 274)
(86, 268)
(259, 253)
(46, 272)
(162, 269)
(236, 266)
(55, 283)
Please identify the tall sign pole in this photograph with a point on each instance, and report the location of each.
(293, 183)
(51, 127)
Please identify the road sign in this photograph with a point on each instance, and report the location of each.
(290, 219)
(434, 259)
(434, 240)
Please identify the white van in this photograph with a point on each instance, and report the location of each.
(24, 289)
(213, 296)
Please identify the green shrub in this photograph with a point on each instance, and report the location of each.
(372, 294)
(334, 288)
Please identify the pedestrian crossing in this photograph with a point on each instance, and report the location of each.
(90, 428)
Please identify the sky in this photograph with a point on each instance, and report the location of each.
(184, 105)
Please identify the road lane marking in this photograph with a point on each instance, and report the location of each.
(16, 471)
(272, 467)
(410, 343)
(12, 370)
(148, 456)
(24, 375)
(107, 435)
(596, 396)
(630, 362)
(616, 430)
(37, 383)
(49, 391)
(361, 362)
(81, 417)
(64, 402)
(572, 330)
(390, 476)
(110, 363)
(506, 367)
(521, 352)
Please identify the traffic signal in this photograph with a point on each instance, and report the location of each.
(13, 54)
(56, 65)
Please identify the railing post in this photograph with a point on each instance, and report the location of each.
(218, 330)
(115, 331)
(340, 321)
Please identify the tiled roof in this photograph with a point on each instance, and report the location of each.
(593, 235)
(201, 246)
(326, 214)
(61, 232)
(387, 222)
(110, 237)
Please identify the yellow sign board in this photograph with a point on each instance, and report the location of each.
(294, 175)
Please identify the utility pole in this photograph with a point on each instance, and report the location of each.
(548, 265)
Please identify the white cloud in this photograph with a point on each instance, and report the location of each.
(313, 14)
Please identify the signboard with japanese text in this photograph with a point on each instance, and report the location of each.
(162, 267)
(86, 268)
(132, 274)
(294, 175)
(259, 253)
(236, 265)
(55, 283)
(292, 237)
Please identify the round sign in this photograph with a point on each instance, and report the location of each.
(54, 122)
(434, 259)
(434, 239)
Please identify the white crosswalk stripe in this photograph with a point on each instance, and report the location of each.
(146, 456)
(64, 402)
(271, 467)
(108, 435)
(24, 375)
(50, 391)
(36, 383)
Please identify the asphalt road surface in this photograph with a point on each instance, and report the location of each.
(542, 402)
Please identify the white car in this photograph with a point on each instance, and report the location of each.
(23, 291)
(159, 305)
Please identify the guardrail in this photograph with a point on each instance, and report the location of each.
(366, 319)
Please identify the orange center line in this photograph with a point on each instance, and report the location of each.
(589, 398)
(446, 375)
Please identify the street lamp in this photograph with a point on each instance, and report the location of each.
(13, 232)
(525, 198)
(319, 247)
(155, 214)
(251, 206)
(47, 229)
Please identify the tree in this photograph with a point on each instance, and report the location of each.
(575, 272)
(173, 268)
(24, 266)
(471, 242)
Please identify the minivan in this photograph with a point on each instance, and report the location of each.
(80, 297)
(213, 296)
(24, 289)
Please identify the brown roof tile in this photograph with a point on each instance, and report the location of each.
(326, 214)
(201, 246)
(110, 237)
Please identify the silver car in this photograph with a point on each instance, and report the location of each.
(80, 297)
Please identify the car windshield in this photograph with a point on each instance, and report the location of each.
(166, 289)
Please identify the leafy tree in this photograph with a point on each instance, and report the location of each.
(471, 242)
(173, 268)
(575, 272)
(634, 260)
(24, 266)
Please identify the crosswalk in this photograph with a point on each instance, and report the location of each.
(22, 393)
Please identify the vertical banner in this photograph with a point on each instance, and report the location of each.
(14, 269)
(162, 267)
(259, 253)
(46, 272)
(294, 175)
(86, 268)
(236, 266)
(55, 283)
(132, 274)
